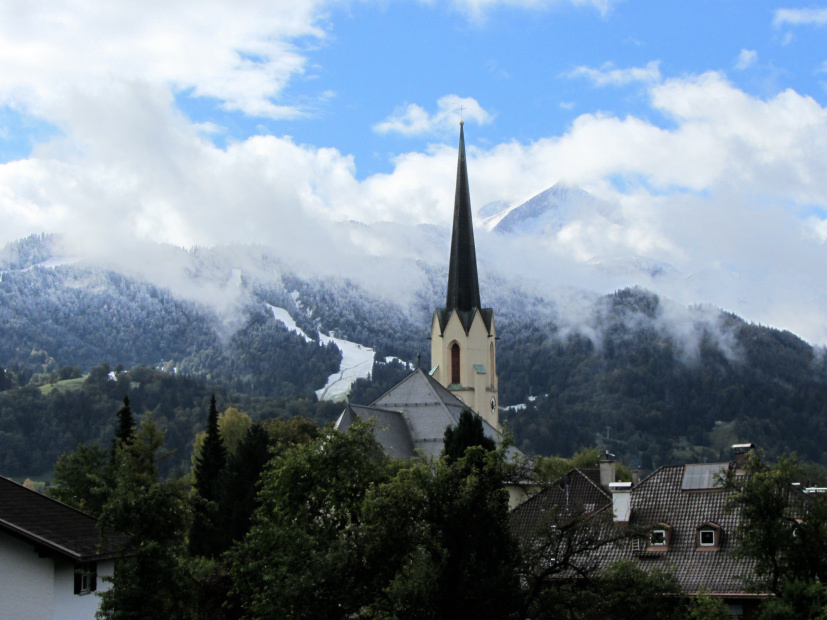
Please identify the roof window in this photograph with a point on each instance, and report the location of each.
(659, 537)
(708, 537)
(703, 477)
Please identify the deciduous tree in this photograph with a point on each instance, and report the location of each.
(441, 540)
(303, 556)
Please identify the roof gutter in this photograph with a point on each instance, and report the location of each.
(26, 535)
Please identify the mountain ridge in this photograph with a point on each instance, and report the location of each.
(669, 380)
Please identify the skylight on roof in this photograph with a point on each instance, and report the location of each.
(703, 476)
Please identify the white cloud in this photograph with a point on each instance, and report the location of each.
(412, 120)
(798, 17)
(607, 75)
(746, 59)
(240, 54)
(715, 195)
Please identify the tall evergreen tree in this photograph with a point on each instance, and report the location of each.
(208, 535)
(467, 433)
(126, 423)
(210, 464)
(238, 501)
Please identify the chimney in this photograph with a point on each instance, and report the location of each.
(607, 471)
(741, 452)
(621, 501)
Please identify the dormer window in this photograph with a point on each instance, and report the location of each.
(708, 537)
(659, 537)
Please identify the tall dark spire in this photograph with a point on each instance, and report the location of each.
(463, 285)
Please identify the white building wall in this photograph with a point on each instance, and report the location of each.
(71, 606)
(26, 582)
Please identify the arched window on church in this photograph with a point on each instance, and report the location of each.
(455, 363)
(491, 371)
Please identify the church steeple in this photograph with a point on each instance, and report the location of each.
(463, 336)
(463, 284)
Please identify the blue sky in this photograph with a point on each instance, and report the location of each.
(525, 66)
(700, 125)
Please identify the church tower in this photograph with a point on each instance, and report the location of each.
(463, 337)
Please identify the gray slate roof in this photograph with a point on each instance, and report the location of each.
(412, 416)
(660, 499)
(53, 527)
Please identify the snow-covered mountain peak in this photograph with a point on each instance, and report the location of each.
(548, 211)
(490, 214)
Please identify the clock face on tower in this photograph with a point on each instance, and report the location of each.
(493, 404)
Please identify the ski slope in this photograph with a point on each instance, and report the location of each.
(357, 359)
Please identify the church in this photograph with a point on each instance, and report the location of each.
(412, 416)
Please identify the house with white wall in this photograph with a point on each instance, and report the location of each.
(52, 557)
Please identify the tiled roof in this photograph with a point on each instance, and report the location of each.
(390, 428)
(577, 492)
(52, 526)
(412, 416)
(660, 499)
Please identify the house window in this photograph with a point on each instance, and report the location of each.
(708, 537)
(455, 364)
(86, 577)
(659, 537)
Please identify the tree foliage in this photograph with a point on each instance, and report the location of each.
(624, 591)
(341, 530)
(208, 534)
(36, 426)
(210, 463)
(466, 434)
(126, 423)
(150, 580)
(303, 556)
(440, 532)
(782, 530)
(82, 478)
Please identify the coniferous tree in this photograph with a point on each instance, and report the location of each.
(208, 535)
(83, 478)
(126, 423)
(210, 464)
(150, 581)
(467, 433)
(238, 501)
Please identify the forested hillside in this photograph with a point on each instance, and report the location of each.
(652, 382)
(638, 393)
(37, 425)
